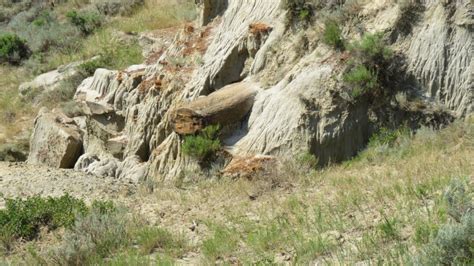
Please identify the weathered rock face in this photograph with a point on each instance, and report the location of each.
(277, 92)
(441, 54)
(56, 140)
(211, 9)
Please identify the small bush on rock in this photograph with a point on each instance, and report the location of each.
(372, 50)
(203, 145)
(371, 58)
(332, 35)
(299, 11)
(13, 49)
(88, 68)
(361, 79)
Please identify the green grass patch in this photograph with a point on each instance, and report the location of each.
(221, 244)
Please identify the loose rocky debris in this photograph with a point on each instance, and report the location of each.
(24, 180)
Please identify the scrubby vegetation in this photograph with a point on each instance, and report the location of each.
(361, 79)
(86, 21)
(333, 35)
(383, 206)
(23, 219)
(204, 145)
(370, 56)
(13, 49)
(92, 233)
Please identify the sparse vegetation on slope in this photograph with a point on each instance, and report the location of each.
(55, 41)
(384, 206)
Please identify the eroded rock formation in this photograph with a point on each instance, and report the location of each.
(56, 140)
(278, 91)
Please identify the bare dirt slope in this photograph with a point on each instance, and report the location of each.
(23, 180)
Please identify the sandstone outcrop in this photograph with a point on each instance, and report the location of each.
(56, 140)
(223, 107)
(441, 56)
(277, 91)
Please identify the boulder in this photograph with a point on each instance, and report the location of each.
(54, 79)
(56, 140)
(96, 165)
(132, 168)
(225, 106)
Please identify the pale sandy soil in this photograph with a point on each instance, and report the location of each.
(23, 180)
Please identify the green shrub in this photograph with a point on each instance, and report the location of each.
(117, 7)
(94, 236)
(361, 79)
(332, 35)
(13, 49)
(459, 199)
(86, 21)
(372, 50)
(371, 58)
(454, 242)
(43, 19)
(43, 30)
(24, 218)
(203, 145)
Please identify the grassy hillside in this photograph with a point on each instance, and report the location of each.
(406, 199)
(54, 40)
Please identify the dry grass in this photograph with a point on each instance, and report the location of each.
(158, 14)
(382, 206)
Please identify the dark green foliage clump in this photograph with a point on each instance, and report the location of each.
(14, 152)
(23, 219)
(372, 50)
(333, 35)
(371, 58)
(203, 145)
(13, 49)
(361, 80)
(86, 21)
